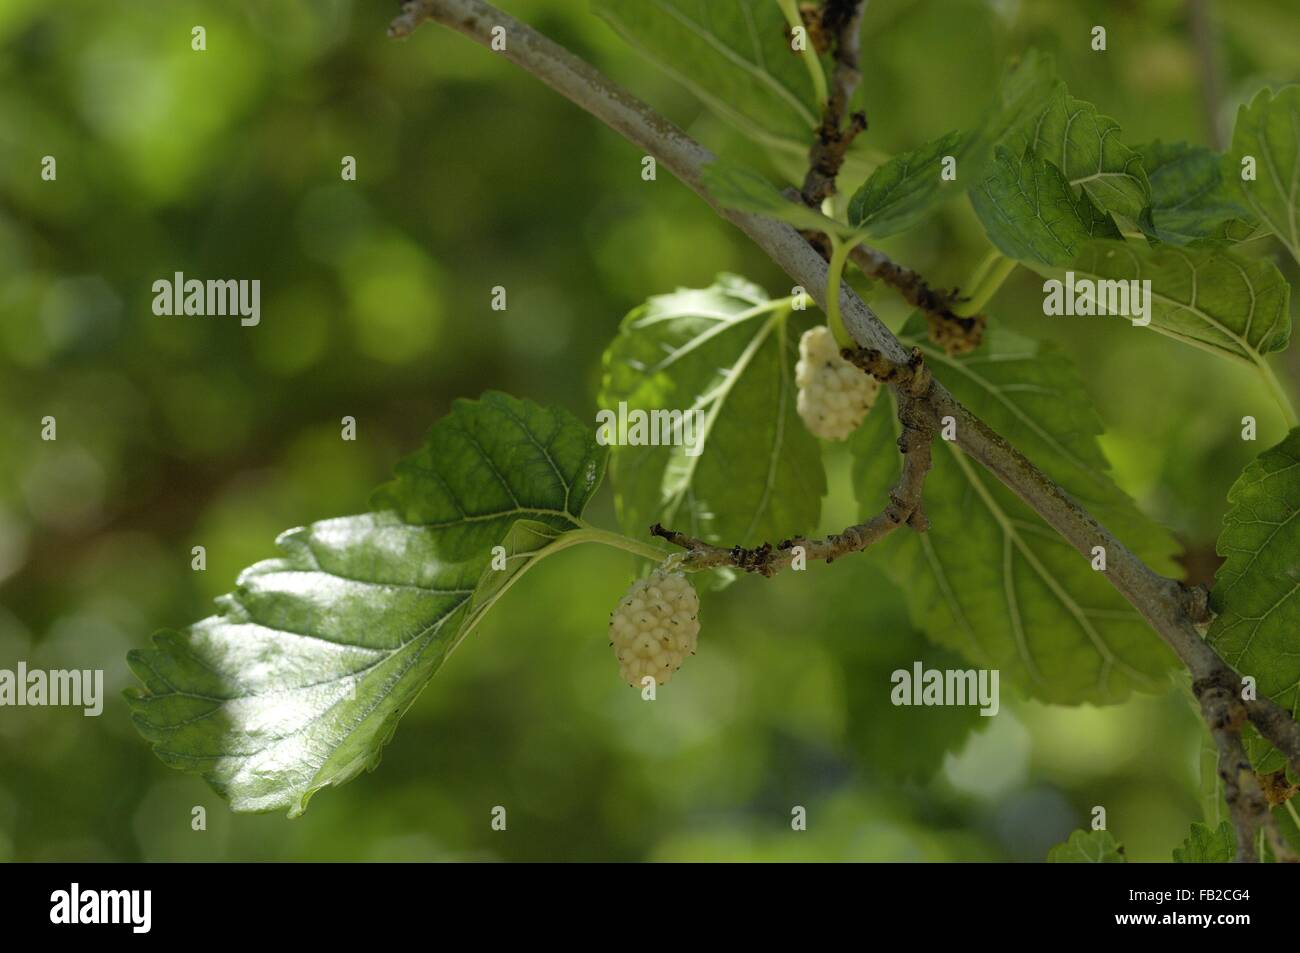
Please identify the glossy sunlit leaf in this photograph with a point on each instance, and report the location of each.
(300, 680)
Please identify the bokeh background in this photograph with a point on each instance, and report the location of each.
(174, 432)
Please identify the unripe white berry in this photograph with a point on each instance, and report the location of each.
(834, 395)
(654, 627)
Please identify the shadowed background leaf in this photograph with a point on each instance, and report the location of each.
(990, 579)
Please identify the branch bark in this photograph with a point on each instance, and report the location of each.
(842, 19)
(1248, 805)
(1162, 602)
(955, 333)
(912, 382)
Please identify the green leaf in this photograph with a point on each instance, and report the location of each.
(1269, 130)
(1209, 298)
(491, 462)
(990, 579)
(728, 352)
(1032, 215)
(1189, 200)
(300, 680)
(1288, 822)
(1255, 592)
(735, 186)
(732, 54)
(1088, 847)
(901, 192)
(1208, 846)
(1028, 85)
(1085, 146)
(1048, 169)
(897, 742)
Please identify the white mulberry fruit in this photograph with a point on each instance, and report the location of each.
(654, 627)
(834, 395)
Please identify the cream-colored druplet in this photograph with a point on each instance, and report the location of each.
(655, 626)
(834, 395)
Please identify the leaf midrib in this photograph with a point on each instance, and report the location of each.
(778, 437)
(1072, 608)
(718, 397)
(1262, 132)
(933, 354)
(427, 633)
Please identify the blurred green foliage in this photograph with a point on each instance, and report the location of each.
(174, 432)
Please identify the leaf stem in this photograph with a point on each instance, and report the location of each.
(1279, 393)
(840, 249)
(982, 269)
(594, 534)
(586, 533)
(808, 54)
(987, 280)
